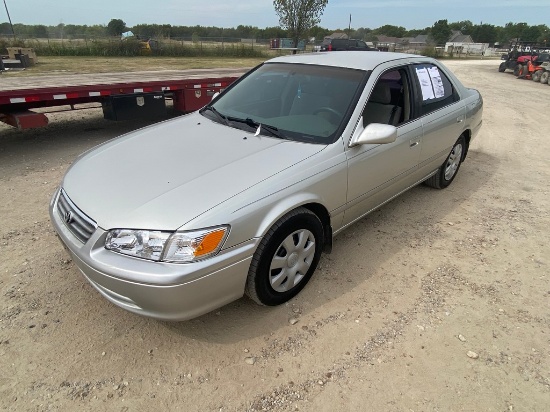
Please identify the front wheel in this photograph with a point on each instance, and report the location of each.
(502, 67)
(286, 258)
(448, 170)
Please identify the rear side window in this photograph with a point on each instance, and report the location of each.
(435, 89)
(339, 43)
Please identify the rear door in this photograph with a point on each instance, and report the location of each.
(442, 114)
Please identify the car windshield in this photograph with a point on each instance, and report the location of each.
(292, 101)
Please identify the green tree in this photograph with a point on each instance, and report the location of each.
(512, 31)
(391, 31)
(60, 30)
(531, 33)
(414, 33)
(318, 32)
(465, 26)
(297, 17)
(40, 31)
(441, 32)
(544, 37)
(484, 33)
(116, 27)
(362, 33)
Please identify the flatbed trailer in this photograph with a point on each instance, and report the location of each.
(122, 96)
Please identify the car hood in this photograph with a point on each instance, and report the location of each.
(163, 176)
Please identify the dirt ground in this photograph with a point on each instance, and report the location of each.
(438, 301)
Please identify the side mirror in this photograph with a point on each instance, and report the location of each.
(375, 133)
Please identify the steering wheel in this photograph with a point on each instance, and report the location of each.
(329, 110)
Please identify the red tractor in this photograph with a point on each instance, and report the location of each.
(535, 68)
(519, 54)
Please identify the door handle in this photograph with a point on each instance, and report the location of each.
(413, 143)
(459, 119)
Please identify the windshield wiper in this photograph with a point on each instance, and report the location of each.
(260, 126)
(218, 114)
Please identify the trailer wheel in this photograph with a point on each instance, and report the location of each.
(544, 77)
(536, 76)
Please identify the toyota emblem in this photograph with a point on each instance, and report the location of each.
(68, 217)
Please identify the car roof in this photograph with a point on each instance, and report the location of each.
(349, 59)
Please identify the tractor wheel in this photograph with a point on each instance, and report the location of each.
(536, 76)
(516, 70)
(521, 71)
(544, 77)
(502, 67)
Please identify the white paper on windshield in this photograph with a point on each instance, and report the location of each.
(425, 83)
(437, 83)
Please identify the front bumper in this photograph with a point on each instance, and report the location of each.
(159, 290)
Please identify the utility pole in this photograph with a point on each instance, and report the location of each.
(9, 18)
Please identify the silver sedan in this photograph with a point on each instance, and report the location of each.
(243, 196)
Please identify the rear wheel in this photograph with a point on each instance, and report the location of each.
(544, 77)
(516, 70)
(448, 170)
(286, 258)
(521, 70)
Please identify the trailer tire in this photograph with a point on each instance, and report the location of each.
(536, 76)
(544, 77)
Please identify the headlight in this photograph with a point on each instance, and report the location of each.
(139, 243)
(179, 247)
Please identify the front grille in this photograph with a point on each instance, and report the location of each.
(77, 222)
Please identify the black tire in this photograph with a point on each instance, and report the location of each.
(521, 71)
(502, 67)
(516, 70)
(536, 76)
(544, 77)
(449, 169)
(298, 226)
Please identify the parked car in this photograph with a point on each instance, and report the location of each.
(184, 216)
(345, 44)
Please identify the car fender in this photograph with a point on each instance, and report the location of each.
(254, 219)
(286, 205)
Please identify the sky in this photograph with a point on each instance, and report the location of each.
(411, 14)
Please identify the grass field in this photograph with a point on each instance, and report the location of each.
(49, 65)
